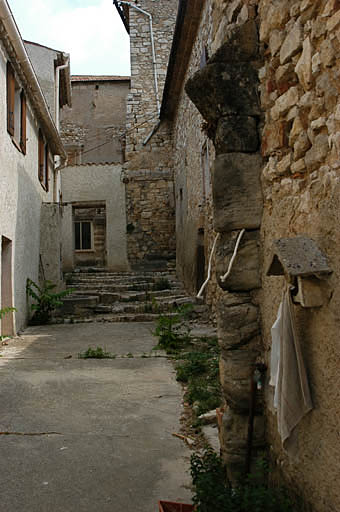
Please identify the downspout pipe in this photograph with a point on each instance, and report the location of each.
(154, 63)
(36, 95)
(57, 88)
(57, 120)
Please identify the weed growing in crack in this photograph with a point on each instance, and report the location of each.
(171, 329)
(199, 369)
(96, 353)
(161, 284)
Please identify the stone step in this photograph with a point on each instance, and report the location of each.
(100, 273)
(115, 288)
(132, 296)
(127, 317)
(99, 295)
(141, 307)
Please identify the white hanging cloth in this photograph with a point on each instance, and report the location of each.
(288, 374)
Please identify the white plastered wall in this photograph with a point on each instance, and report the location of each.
(86, 183)
(20, 200)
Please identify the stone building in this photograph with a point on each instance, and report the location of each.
(29, 141)
(93, 128)
(250, 125)
(93, 192)
(148, 168)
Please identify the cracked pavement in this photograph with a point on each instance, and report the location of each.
(87, 434)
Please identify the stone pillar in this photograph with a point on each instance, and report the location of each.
(225, 92)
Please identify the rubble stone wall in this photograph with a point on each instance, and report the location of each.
(300, 97)
(193, 156)
(148, 167)
(298, 123)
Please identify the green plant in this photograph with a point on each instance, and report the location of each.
(45, 300)
(199, 368)
(96, 353)
(171, 329)
(4, 311)
(161, 284)
(213, 493)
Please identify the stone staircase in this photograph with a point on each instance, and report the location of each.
(121, 296)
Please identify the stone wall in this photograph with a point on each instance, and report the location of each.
(297, 70)
(193, 156)
(148, 167)
(93, 128)
(150, 233)
(142, 111)
(300, 97)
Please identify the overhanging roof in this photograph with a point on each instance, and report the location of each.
(187, 24)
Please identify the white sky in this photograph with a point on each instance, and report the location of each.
(90, 30)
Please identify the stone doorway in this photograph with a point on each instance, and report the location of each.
(200, 260)
(89, 228)
(7, 322)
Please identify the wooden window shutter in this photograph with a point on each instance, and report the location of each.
(46, 167)
(41, 157)
(23, 123)
(10, 98)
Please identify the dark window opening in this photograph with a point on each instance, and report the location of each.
(83, 236)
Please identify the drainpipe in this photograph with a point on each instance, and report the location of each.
(57, 88)
(57, 121)
(152, 48)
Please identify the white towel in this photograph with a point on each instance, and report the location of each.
(288, 374)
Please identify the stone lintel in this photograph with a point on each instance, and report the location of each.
(298, 256)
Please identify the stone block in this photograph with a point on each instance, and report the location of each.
(285, 77)
(318, 152)
(237, 192)
(303, 68)
(301, 145)
(233, 440)
(284, 102)
(241, 45)
(221, 89)
(327, 53)
(292, 43)
(274, 137)
(275, 41)
(274, 17)
(234, 313)
(283, 166)
(245, 273)
(236, 368)
(234, 430)
(333, 21)
(298, 167)
(297, 128)
(236, 134)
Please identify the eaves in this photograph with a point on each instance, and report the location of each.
(187, 25)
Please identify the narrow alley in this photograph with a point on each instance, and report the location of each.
(89, 434)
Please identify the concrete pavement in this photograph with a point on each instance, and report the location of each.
(89, 435)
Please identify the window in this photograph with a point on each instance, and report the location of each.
(83, 235)
(16, 110)
(43, 158)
